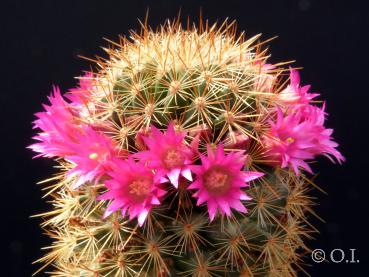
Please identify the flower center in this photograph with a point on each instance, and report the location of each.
(140, 188)
(93, 156)
(290, 140)
(173, 159)
(98, 153)
(217, 181)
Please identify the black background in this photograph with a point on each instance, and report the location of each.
(41, 40)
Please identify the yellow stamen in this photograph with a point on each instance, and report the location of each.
(290, 140)
(93, 156)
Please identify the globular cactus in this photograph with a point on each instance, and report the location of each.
(184, 153)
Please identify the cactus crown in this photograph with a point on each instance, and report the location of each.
(187, 130)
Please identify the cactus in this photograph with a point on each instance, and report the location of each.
(184, 153)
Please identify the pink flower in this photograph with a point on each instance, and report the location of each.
(168, 154)
(58, 125)
(64, 136)
(300, 136)
(81, 95)
(219, 181)
(294, 94)
(92, 152)
(133, 188)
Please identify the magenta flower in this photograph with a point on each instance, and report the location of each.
(58, 126)
(293, 93)
(219, 181)
(133, 188)
(64, 136)
(81, 95)
(168, 154)
(92, 153)
(300, 136)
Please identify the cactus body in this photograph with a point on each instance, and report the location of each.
(183, 154)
